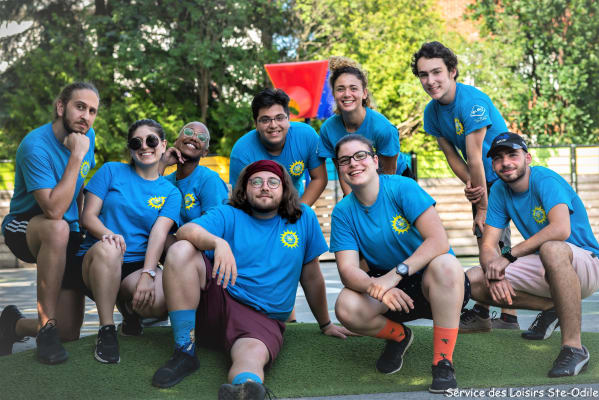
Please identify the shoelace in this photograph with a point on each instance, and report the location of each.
(468, 315)
(537, 323)
(563, 361)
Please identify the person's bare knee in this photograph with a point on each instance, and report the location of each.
(444, 271)
(53, 234)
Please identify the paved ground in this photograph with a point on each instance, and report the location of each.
(18, 286)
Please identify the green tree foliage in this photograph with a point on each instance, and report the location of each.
(546, 53)
(170, 60)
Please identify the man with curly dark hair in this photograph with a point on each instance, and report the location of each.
(265, 242)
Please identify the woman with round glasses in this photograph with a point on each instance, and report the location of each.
(129, 211)
(349, 84)
(200, 187)
(413, 273)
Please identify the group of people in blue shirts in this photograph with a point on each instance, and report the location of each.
(225, 267)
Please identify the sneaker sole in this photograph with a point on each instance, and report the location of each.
(100, 359)
(53, 361)
(175, 381)
(440, 391)
(466, 331)
(404, 353)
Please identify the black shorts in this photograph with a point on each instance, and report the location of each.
(75, 271)
(16, 240)
(412, 286)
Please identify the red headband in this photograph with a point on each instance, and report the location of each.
(264, 165)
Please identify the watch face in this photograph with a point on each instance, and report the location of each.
(402, 269)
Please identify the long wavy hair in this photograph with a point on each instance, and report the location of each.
(289, 208)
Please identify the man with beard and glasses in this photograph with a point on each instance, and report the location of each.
(42, 226)
(555, 266)
(265, 242)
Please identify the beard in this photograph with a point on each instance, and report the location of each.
(67, 123)
(519, 173)
(262, 208)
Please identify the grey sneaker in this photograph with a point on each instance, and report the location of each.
(570, 362)
(498, 323)
(471, 322)
(543, 326)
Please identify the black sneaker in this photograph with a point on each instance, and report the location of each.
(176, 368)
(472, 322)
(570, 362)
(8, 321)
(107, 345)
(391, 358)
(443, 377)
(248, 390)
(543, 326)
(132, 324)
(49, 348)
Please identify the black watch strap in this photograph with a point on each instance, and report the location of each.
(507, 253)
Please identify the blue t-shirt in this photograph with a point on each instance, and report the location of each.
(470, 110)
(375, 127)
(131, 205)
(269, 255)
(384, 233)
(201, 190)
(40, 163)
(298, 155)
(529, 209)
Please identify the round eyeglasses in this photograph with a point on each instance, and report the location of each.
(271, 182)
(202, 136)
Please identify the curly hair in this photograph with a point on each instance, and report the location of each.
(289, 208)
(436, 50)
(343, 65)
(67, 92)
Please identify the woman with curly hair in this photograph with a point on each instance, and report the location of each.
(354, 114)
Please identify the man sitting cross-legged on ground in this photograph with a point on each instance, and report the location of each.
(556, 265)
(264, 242)
(393, 223)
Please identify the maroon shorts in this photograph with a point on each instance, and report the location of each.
(221, 320)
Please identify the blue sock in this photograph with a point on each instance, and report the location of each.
(183, 323)
(244, 377)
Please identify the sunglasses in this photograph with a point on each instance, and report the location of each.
(202, 137)
(272, 183)
(136, 142)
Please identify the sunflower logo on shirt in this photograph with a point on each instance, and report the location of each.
(539, 215)
(289, 239)
(190, 201)
(400, 224)
(84, 170)
(156, 202)
(297, 168)
(459, 128)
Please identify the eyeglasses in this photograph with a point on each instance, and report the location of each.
(202, 136)
(267, 120)
(358, 156)
(136, 142)
(272, 183)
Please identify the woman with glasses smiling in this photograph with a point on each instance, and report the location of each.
(412, 274)
(200, 187)
(129, 211)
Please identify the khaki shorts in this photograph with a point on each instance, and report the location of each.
(527, 273)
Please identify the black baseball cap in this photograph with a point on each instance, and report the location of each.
(507, 139)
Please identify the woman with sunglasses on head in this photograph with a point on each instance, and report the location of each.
(200, 187)
(129, 211)
(353, 114)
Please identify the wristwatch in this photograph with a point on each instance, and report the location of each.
(150, 272)
(402, 270)
(506, 252)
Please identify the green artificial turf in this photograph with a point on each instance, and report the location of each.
(310, 364)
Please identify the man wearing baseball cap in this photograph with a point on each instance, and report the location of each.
(265, 242)
(556, 265)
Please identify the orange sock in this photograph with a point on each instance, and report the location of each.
(443, 343)
(392, 331)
